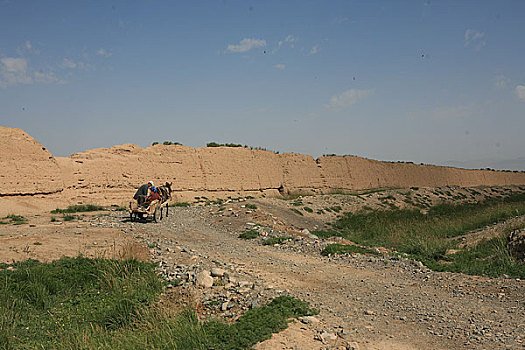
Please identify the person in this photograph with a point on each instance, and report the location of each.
(142, 193)
(154, 195)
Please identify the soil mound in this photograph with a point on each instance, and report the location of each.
(26, 167)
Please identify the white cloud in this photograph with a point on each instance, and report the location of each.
(501, 81)
(313, 50)
(520, 92)
(15, 70)
(289, 39)
(14, 65)
(280, 66)
(246, 44)
(348, 98)
(28, 46)
(47, 78)
(475, 39)
(67, 63)
(104, 53)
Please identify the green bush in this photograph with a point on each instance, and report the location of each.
(250, 234)
(78, 208)
(336, 248)
(308, 209)
(277, 240)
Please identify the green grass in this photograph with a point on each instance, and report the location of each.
(308, 209)
(181, 204)
(78, 208)
(336, 248)
(43, 304)
(251, 206)
(427, 237)
(81, 303)
(250, 234)
(15, 219)
(277, 240)
(297, 211)
(70, 217)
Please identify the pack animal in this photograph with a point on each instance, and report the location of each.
(165, 196)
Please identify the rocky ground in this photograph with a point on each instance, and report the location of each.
(365, 302)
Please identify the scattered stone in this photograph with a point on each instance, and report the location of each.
(204, 279)
(217, 272)
(309, 319)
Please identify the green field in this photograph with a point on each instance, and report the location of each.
(81, 303)
(427, 237)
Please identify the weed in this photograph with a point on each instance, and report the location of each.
(249, 234)
(426, 236)
(277, 240)
(37, 243)
(336, 208)
(297, 212)
(53, 300)
(251, 206)
(181, 204)
(308, 209)
(69, 217)
(15, 219)
(78, 208)
(336, 248)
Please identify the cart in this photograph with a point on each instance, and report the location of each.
(151, 213)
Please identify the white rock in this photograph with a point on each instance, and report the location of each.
(217, 272)
(203, 279)
(309, 319)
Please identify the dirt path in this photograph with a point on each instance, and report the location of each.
(367, 302)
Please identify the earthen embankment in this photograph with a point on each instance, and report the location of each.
(111, 175)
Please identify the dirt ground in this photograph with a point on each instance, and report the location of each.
(364, 302)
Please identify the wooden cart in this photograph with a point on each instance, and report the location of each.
(151, 213)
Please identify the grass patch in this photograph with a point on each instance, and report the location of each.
(426, 237)
(297, 211)
(336, 248)
(43, 304)
(69, 217)
(81, 303)
(78, 208)
(277, 240)
(489, 257)
(15, 219)
(250, 234)
(308, 209)
(181, 204)
(251, 206)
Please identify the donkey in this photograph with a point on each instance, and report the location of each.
(165, 196)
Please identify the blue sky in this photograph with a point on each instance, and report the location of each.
(423, 81)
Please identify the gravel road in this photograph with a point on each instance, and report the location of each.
(365, 302)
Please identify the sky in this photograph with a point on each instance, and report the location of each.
(435, 82)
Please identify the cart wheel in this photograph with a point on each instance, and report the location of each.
(156, 215)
